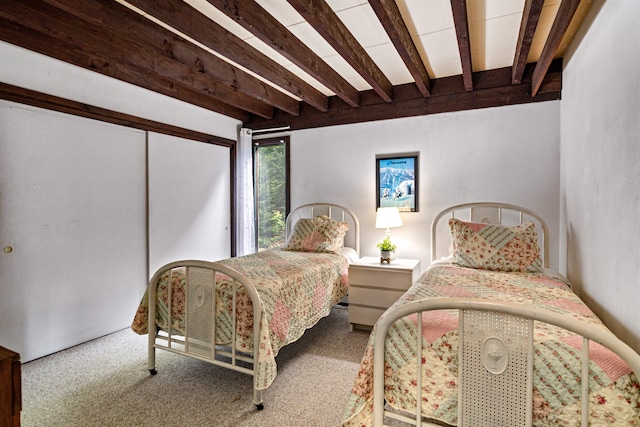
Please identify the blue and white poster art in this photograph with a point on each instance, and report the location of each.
(397, 182)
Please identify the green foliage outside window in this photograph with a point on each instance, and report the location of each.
(271, 233)
(271, 195)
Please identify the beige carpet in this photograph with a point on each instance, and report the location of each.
(106, 383)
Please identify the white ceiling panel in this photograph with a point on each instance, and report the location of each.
(427, 16)
(364, 25)
(491, 9)
(494, 41)
(340, 5)
(390, 62)
(442, 53)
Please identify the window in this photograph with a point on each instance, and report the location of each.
(271, 183)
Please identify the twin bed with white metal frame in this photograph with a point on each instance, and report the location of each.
(494, 347)
(211, 310)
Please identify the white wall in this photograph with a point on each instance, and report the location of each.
(189, 201)
(600, 163)
(507, 154)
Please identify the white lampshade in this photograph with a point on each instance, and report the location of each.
(388, 218)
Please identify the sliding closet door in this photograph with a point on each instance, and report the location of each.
(72, 228)
(189, 201)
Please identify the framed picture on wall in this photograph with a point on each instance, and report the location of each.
(397, 181)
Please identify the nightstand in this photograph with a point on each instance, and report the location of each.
(373, 287)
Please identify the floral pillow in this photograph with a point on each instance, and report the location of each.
(496, 247)
(319, 234)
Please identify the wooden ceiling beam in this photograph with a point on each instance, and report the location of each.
(28, 38)
(187, 20)
(530, 16)
(391, 19)
(492, 89)
(109, 38)
(107, 51)
(139, 39)
(253, 18)
(55, 103)
(459, 9)
(560, 24)
(324, 20)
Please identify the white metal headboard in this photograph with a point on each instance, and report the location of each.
(336, 212)
(492, 213)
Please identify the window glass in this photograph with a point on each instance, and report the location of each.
(271, 183)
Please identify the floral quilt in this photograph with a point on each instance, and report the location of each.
(297, 289)
(614, 389)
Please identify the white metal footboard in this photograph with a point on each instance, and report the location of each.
(199, 335)
(483, 360)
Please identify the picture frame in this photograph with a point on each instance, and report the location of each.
(397, 181)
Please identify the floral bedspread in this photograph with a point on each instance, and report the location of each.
(614, 389)
(297, 289)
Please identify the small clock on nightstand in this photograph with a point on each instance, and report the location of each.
(373, 287)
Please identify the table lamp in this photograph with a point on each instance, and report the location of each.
(387, 218)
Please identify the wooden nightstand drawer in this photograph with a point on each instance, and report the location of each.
(373, 287)
(372, 297)
(395, 279)
(364, 316)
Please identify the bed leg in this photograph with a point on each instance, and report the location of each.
(151, 354)
(151, 361)
(257, 399)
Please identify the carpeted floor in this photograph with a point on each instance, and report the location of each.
(106, 383)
